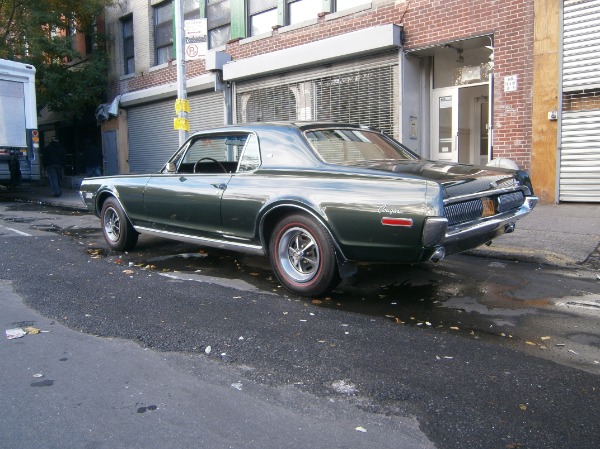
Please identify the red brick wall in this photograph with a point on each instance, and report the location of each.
(426, 23)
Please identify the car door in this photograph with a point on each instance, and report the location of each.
(187, 199)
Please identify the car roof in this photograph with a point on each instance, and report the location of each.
(299, 125)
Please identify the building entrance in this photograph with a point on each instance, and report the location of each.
(460, 124)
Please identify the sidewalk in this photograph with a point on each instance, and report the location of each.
(564, 235)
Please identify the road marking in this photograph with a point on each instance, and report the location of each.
(17, 231)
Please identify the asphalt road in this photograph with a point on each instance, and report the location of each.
(281, 371)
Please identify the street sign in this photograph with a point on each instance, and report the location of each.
(196, 39)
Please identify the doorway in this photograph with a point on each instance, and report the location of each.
(460, 124)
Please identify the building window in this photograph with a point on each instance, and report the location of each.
(302, 10)
(128, 48)
(262, 16)
(163, 33)
(340, 5)
(218, 14)
(191, 9)
(163, 27)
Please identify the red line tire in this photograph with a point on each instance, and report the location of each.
(303, 255)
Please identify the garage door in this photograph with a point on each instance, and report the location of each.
(580, 118)
(152, 139)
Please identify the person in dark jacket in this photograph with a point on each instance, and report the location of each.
(54, 155)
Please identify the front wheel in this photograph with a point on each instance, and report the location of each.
(118, 231)
(303, 256)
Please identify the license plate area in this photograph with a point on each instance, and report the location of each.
(488, 207)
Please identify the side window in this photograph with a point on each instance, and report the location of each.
(213, 154)
(251, 156)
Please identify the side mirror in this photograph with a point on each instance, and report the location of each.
(171, 168)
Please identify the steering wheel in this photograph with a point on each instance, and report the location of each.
(212, 160)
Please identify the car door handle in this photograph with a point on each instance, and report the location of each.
(220, 186)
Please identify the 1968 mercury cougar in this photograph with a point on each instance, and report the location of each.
(317, 198)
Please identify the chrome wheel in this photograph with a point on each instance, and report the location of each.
(116, 227)
(299, 254)
(112, 225)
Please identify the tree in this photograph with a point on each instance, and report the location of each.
(42, 33)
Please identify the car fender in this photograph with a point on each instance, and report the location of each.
(277, 208)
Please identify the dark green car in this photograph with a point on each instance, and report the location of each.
(317, 198)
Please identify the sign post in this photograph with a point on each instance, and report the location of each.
(182, 107)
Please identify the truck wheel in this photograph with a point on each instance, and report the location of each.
(303, 256)
(118, 231)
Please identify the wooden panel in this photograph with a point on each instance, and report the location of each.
(545, 99)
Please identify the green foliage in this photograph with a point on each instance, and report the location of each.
(42, 33)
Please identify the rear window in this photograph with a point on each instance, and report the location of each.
(346, 146)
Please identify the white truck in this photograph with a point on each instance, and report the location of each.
(19, 136)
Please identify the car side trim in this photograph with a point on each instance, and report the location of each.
(213, 243)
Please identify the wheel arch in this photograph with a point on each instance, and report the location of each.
(105, 194)
(276, 212)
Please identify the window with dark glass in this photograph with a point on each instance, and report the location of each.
(262, 16)
(218, 14)
(128, 47)
(302, 10)
(163, 33)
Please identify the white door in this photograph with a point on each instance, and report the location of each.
(444, 125)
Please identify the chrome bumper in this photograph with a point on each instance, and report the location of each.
(492, 226)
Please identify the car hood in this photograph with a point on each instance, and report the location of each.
(455, 179)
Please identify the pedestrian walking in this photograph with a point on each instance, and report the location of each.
(54, 155)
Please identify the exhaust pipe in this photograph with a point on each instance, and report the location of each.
(438, 254)
(510, 227)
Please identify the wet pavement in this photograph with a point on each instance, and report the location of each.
(174, 296)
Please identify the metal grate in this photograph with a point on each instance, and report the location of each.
(510, 201)
(364, 96)
(463, 212)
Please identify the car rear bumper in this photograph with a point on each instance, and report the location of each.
(470, 235)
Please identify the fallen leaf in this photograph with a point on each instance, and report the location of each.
(523, 407)
(128, 271)
(317, 301)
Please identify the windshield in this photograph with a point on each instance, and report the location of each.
(347, 146)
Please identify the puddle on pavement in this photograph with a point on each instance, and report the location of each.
(36, 207)
(488, 303)
(585, 339)
(19, 219)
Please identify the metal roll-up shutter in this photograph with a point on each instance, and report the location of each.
(581, 44)
(580, 156)
(579, 179)
(363, 92)
(152, 139)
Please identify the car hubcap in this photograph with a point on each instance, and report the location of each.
(112, 225)
(298, 254)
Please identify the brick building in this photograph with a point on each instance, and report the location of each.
(452, 79)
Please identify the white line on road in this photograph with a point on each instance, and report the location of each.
(17, 231)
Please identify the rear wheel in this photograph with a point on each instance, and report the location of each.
(303, 255)
(118, 231)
